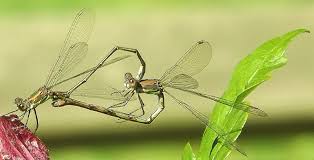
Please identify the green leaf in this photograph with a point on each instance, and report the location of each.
(248, 74)
(188, 153)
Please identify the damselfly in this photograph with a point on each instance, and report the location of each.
(73, 51)
(178, 77)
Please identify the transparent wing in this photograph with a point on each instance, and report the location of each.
(74, 48)
(182, 81)
(221, 134)
(241, 106)
(193, 62)
(76, 53)
(114, 60)
(107, 92)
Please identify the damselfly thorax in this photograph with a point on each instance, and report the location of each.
(148, 86)
(38, 97)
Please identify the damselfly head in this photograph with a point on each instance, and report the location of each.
(128, 76)
(21, 104)
(129, 81)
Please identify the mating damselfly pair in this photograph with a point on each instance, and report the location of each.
(179, 77)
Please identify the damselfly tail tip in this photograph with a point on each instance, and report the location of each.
(258, 112)
(201, 42)
(244, 154)
(237, 148)
(262, 114)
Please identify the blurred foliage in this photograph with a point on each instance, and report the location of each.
(260, 147)
(46, 5)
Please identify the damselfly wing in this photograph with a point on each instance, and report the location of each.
(74, 49)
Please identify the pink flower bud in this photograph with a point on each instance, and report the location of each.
(18, 142)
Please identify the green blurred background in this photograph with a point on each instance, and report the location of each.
(31, 33)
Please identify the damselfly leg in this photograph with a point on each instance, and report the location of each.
(117, 48)
(10, 112)
(160, 107)
(129, 93)
(124, 102)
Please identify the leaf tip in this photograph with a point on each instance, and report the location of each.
(188, 152)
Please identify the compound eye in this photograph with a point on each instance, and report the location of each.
(20, 106)
(131, 80)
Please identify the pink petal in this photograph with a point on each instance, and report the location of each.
(18, 142)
